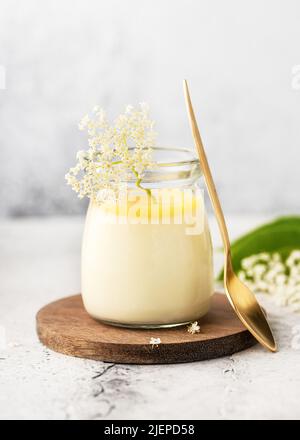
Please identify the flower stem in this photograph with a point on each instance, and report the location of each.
(138, 183)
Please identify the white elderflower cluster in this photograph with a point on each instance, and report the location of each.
(116, 152)
(268, 273)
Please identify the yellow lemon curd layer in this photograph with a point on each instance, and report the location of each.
(162, 205)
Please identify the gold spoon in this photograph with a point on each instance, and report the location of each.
(240, 297)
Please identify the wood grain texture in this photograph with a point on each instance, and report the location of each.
(65, 327)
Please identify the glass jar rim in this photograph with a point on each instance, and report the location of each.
(173, 164)
(188, 156)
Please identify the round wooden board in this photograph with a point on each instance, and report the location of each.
(65, 327)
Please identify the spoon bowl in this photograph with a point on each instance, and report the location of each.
(247, 308)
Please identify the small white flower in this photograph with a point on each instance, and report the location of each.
(84, 122)
(264, 257)
(259, 269)
(154, 342)
(247, 263)
(82, 157)
(194, 327)
(128, 109)
(96, 108)
(293, 259)
(242, 275)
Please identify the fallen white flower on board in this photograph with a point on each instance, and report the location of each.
(154, 342)
(194, 327)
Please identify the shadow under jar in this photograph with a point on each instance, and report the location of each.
(147, 259)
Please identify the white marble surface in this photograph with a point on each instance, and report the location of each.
(39, 262)
(61, 57)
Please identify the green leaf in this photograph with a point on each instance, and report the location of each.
(281, 235)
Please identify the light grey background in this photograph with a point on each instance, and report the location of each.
(63, 56)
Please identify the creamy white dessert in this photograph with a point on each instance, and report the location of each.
(146, 274)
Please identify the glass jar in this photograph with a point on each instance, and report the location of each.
(147, 259)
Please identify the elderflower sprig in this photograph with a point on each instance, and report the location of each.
(116, 153)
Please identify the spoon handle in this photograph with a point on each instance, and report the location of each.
(206, 171)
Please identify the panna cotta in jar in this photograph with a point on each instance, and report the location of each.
(147, 259)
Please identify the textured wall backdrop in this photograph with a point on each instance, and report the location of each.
(58, 58)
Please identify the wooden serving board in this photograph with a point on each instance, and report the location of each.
(65, 327)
